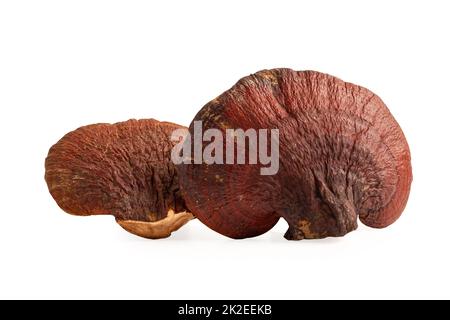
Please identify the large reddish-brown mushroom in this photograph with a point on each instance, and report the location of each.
(122, 169)
(341, 155)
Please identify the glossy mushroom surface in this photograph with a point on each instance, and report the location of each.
(122, 169)
(342, 155)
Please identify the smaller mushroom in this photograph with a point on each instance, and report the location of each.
(122, 169)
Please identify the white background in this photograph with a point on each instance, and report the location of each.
(64, 64)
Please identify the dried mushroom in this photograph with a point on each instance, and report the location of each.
(341, 155)
(121, 169)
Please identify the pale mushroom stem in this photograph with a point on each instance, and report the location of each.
(158, 229)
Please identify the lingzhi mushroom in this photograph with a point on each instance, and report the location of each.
(342, 155)
(121, 169)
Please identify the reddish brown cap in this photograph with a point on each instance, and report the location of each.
(122, 169)
(341, 153)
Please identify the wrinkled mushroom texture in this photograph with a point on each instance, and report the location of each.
(122, 169)
(341, 152)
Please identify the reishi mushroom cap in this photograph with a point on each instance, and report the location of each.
(122, 169)
(341, 155)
